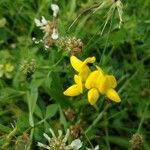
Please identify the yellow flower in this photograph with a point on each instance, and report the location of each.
(100, 83)
(6, 69)
(82, 66)
(75, 89)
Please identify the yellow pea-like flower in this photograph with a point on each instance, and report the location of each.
(104, 84)
(107, 86)
(76, 89)
(97, 82)
(93, 96)
(82, 66)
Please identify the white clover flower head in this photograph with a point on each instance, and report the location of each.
(54, 34)
(55, 9)
(95, 148)
(60, 142)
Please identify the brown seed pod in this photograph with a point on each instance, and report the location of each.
(77, 130)
(70, 114)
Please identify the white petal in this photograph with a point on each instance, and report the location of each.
(55, 9)
(96, 148)
(43, 145)
(46, 46)
(33, 39)
(44, 21)
(59, 134)
(52, 132)
(88, 148)
(76, 144)
(47, 137)
(37, 22)
(66, 136)
(54, 34)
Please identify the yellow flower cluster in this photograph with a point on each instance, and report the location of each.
(6, 69)
(97, 82)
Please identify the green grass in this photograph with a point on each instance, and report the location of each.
(32, 103)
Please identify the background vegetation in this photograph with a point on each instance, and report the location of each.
(31, 103)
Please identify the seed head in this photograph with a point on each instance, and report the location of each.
(136, 142)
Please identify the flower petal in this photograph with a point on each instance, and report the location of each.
(113, 95)
(93, 96)
(76, 144)
(73, 90)
(76, 63)
(84, 73)
(9, 67)
(111, 81)
(101, 83)
(89, 60)
(91, 81)
(78, 81)
(96, 147)
(37, 22)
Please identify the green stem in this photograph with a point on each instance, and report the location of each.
(97, 119)
(106, 43)
(143, 117)
(31, 138)
(107, 133)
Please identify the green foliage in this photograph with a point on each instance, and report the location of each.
(32, 101)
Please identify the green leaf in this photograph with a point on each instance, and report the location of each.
(56, 90)
(38, 112)
(120, 141)
(32, 99)
(4, 128)
(51, 110)
(62, 118)
(9, 95)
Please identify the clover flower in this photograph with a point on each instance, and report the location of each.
(28, 66)
(49, 28)
(60, 142)
(71, 45)
(6, 70)
(136, 141)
